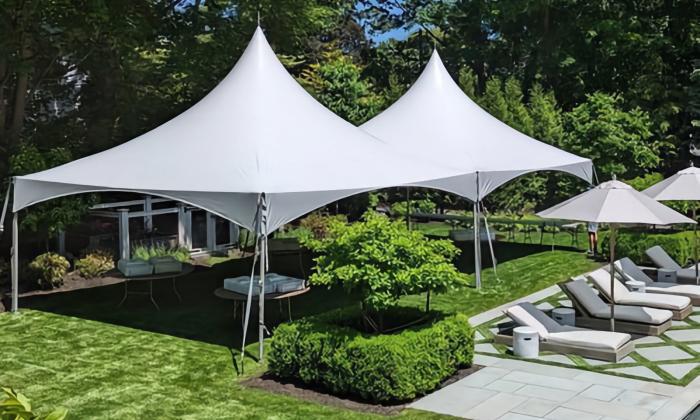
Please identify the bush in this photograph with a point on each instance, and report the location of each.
(378, 368)
(49, 269)
(316, 224)
(679, 245)
(417, 206)
(94, 264)
(147, 252)
(381, 261)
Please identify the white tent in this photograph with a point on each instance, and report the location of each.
(257, 150)
(435, 113)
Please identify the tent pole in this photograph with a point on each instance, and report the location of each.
(261, 298)
(477, 246)
(14, 257)
(613, 233)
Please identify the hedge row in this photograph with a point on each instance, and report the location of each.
(679, 245)
(380, 368)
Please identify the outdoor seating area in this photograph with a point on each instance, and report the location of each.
(356, 210)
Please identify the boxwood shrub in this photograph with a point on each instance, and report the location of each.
(323, 351)
(679, 245)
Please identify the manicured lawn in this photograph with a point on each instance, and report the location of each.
(79, 351)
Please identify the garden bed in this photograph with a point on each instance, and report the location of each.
(298, 389)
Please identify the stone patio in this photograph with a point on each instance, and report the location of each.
(658, 381)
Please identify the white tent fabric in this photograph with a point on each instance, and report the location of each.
(615, 202)
(436, 114)
(684, 185)
(257, 132)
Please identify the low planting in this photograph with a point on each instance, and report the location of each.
(385, 368)
(147, 252)
(679, 245)
(48, 270)
(94, 264)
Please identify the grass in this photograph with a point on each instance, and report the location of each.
(79, 351)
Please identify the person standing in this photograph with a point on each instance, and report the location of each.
(592, 238)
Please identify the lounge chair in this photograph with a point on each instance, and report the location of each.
(630, 271)
(679, 305)
(661, 259)
(593, 312)
(602, 345)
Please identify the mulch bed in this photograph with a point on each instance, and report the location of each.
(307, 392)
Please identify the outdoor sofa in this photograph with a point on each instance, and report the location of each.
(630, 271)
(661, 259)
(679, 305)
(601, 345)
(593, 312)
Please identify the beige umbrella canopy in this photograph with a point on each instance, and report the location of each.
(683, 186)
(615, 203)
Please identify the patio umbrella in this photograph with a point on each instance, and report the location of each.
(685, 186)
(615, 203)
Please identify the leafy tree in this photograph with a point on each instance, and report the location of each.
(468, 81)
(337, 83)
(547, 120)
(494, 101)
(619, 141)
(381, 260)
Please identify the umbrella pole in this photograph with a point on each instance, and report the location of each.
(612, 276)
(695, 246)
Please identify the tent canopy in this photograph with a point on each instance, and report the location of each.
(683, 185)
(436, 114)
(257, 132)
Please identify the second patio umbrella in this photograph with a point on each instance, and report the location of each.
(683, 186)
(615, 203)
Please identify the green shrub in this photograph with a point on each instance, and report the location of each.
(417, 206)
(147, 252)
(94, 264)
(379, 368)
(49, 269)
(16, 406)
(316, 224)
(679, 245)
(381, 261)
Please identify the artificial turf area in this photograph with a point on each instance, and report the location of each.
(80, 351)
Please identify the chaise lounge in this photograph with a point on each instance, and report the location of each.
(661, 259)
(679, 305)
(592, 312)
(601, 345)
(630, 271)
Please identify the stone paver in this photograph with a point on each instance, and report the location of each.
(645, 400)
(535, 407)
(557, 358)
(566, 303)
(483, 377)
(478, 336)
(684, 335)
(504, 386)
(546, 381)
(604, 408)
(601, 392)
(648, 340)
(545, 393)
(453, 400)
(641, 371)
(679, 370)
(695, 347)
(495, 406)
(485, 348)
(695, 318)
(545, 306)
(562, 413)
(663, 353)
(516, 416)
(675, 323)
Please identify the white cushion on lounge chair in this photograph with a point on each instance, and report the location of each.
(632, 314)
(522, 317)
(604, 340)
(688, 290)
(601, 278)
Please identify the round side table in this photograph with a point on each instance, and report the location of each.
(564, 316)
(526, 342)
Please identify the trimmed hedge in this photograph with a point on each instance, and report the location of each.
(380, 368)
(679, 245)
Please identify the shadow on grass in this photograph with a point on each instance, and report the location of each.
(203, 317)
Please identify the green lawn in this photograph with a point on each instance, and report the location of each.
(79, 351)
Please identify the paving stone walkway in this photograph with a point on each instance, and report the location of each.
(512, 389)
